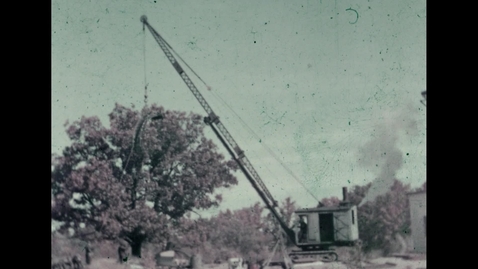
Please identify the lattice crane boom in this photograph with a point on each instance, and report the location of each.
(222, 133)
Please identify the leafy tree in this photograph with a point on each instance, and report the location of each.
(286, 210)
(135, 179)
(194, 233)
(330, 202)
(229, 234)
(243, 230)
(383, 221)
(386, 220)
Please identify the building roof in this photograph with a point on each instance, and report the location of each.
(417, 192)
(324, 209)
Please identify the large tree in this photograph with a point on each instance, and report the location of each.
(137, 177)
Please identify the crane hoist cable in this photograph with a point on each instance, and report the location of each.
(144, 62)
(240, 119)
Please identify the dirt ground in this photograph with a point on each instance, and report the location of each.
(386, 262)
(399, 263)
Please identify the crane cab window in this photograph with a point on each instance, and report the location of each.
(303, 221)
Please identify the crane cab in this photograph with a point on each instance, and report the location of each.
(322, 227)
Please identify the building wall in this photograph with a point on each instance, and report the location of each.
(418, 212)
(354, 232)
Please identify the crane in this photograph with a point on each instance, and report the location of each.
(326, 226)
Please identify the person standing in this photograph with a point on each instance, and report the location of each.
(123, 246)
(88, 253)
(303, 229)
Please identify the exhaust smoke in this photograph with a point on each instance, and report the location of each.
(382, 154)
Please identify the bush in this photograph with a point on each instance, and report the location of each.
(62, 246)
(104, 253)
(104, 249)
(148, 253)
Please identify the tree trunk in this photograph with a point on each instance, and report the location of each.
(137, 238)
(136, 248)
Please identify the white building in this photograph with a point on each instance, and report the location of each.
(418, 218)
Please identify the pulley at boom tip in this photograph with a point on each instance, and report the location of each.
(144, 19)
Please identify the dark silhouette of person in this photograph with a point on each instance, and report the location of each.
(303, 229)
(123, 246)
(76, 262)
(88, 253)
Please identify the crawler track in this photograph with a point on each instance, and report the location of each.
(301, 256)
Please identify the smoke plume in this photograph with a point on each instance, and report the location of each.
(381, 153)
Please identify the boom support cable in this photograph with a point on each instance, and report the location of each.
(269, 150)
(242, 121)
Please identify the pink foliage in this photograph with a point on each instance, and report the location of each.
(383, 219)
(129, 179)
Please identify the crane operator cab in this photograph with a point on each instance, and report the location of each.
(325, 226)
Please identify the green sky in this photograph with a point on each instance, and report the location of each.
(319, 82)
